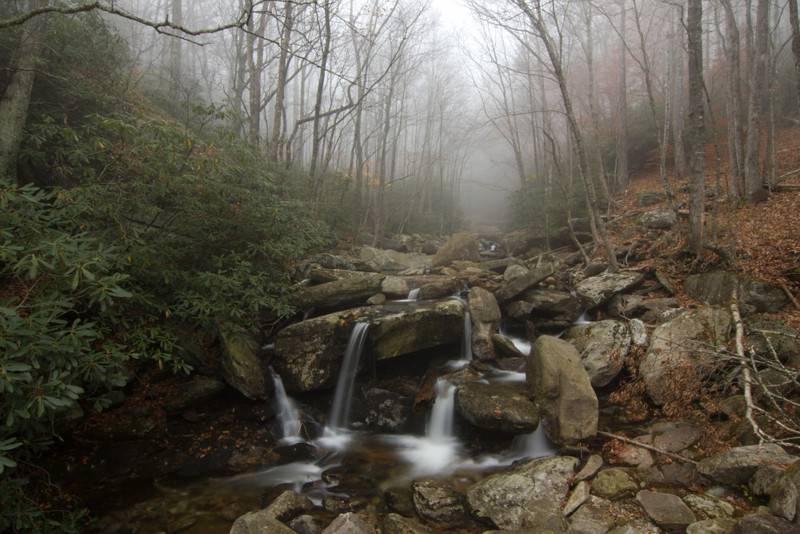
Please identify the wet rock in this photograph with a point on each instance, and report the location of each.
(679, 352)
(517, 285)
(258, 522)
(244, 365)
(348, 523)
(594, 517)
(543, 302)
(603, 346)
(191, 394)
(306, 524)
(400, 500)
(737, 465)
(562, 390)
(459, 247)
(438, 502)
(617, 483)
(666, 510)
(717, 288)
(712, 526)
(430, 286)
(596, 290)
(397, 524)
(289, 505)
(438, 323)
(502, 407)
(388, 411)
(505, 347)
(662, 220)
(485, 316)
(355, 289)
(764, 524)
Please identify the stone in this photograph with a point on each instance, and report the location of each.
(562, 390)
(578, 496)
(510, 289)
(193, 393)
(352, 290)
(430, 286)
(596, 290)
(505, 348)
(764, 524)
(680, 355)
(650, 197)
(737, 465)
(603, 346)
(675, 437)
(393, 262)
(289, 505)
(348, 523)
(244, 365)
(459, 247)
(712, 526)
(784, 501)
(717, 288)
(397, 524)
(594, 517)
(438, 502)
(257, 523)
(662, 220)
(499, 265)
(709, 506)
(550, 303)
(593, 464)
(666, 510)
(617, 483)
(305, 524)
(499, 407)
(764, 479)
(485, 316)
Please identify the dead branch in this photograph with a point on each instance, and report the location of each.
(791, 297)
(748, 389)
(646, 446)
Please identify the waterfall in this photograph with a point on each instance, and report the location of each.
(534, 445)
(340, 411)
(288, 414)
(440, 424)
(413, 295)
(466, 341)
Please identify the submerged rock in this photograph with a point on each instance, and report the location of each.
(501, 407)
(562, 390)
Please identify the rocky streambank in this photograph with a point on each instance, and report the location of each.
(639, 389)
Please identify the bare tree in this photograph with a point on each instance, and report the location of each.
(696, 126)
(752, 159)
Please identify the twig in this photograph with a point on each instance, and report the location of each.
(791, 297)
(646, 446)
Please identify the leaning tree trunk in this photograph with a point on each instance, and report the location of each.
(696, 126)
(17, 96)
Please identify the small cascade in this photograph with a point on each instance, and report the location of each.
(340, 411)
(288, 414)
(534, 445)
(440, 424)
(413, 295)
(583, 319)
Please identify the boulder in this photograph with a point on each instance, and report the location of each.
(438, 502)
(519, 242)
(506, 498)
(764, 524)
(308, 354)
(650, 197)
(348, 523)
(193, 393)
(500, 407)
(544, 302)
(393, 262)
(594, 517)
(717, 288)
(603, 346)
(617, 483)
(579, 495)
(709, 506)
(499, 265)
(430, 286)
(680, 355)
(514, 270)
(662, 220)
(785, 495)
(244, 365)
(737, 465)
(397, 524)
(596, 290)
(289, 505)
(459, 247)
(258, 522)
(510, 289)
(355, 288)
(666, 510)
(485, 316)
(562, 390)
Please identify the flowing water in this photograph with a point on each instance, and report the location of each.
(340, 411)
(288, 414)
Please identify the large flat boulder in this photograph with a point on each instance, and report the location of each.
(430, 286)
(523, 282)
(393, 262)
(308, 354)
(503, 407)
(717, 288)
(464, 247)
(562, 390)
(352, 288)
(596, 290)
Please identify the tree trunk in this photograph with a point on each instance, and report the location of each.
(278, 128)
(696, 126)
(622, 117)
(793, 21)
(754, 190)
(17, 96)
(316, 139)
(733, 102)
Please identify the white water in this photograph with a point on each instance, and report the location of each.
(534, 445)
(466, 341)
(340, 411)
(288, 414)
(440, 424)
(413, 295)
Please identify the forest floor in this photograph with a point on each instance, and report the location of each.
(765, 237)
